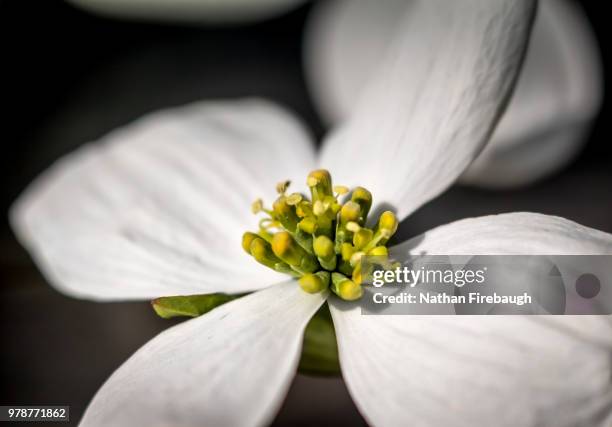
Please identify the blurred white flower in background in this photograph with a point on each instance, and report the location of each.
(550, 115)
(548, 120)
(189, 11)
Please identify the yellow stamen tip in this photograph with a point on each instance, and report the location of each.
(257, 206)
(388, 221)
(282, 186)
(282, 243)
(261, 251)
(341, 190)
(323, 247)
(356, 258)
(308, 225)
(319, 208)
(294, 199)
(347, 251)
(318, 176)
(353, 226)
(379, 251)
(247, 239)
(314, 283)
(350, 212)
(350, 291)
(361, 193)
(258, 249)
(362, 237)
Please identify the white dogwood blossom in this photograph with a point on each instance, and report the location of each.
(158, 208)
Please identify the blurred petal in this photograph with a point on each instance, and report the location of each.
(558, 93)
(345, 46)
(190, 11)
(158, 208)
(231, 367)
(477, 370)
(435, 102)
(483, 370)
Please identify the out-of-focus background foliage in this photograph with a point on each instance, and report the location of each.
(69, 77)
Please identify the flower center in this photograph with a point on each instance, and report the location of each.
(320, 241)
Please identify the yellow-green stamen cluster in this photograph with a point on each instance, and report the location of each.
(320, 240)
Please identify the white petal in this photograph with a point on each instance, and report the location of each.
(435, 102)
(514, 233)
(557, 95)
(230, 367)
(477, 370)
(189, 11)
(158, 207)
(345, 46)
(483, 370)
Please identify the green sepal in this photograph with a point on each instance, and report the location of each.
(190, 305)
(320, 350)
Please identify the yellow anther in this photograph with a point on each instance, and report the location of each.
(388, 221)
(347, 251)
(353, 226)
(324, 247)
(285, 248)
(340, 190)
(314, 283)
(261, 251)
(292, 253)
(319, 208)
(247, 239)
(320, 176)
(324, 250)
(308, 224)
(356, 258)
(257, 206)
(294, 199)
(362, 237)
(350, 291)
(345, 288)
(320, 184)
(379, 251)
(350, 211)
(363, 198)
(282, 186)
(387, 226)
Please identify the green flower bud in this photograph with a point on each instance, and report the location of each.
(287, 249)
(314, 283)
(345, 288)
(247, 238)
(363, 198)
(320, 184)
(324, 250)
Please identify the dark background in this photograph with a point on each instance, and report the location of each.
(69, 77)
